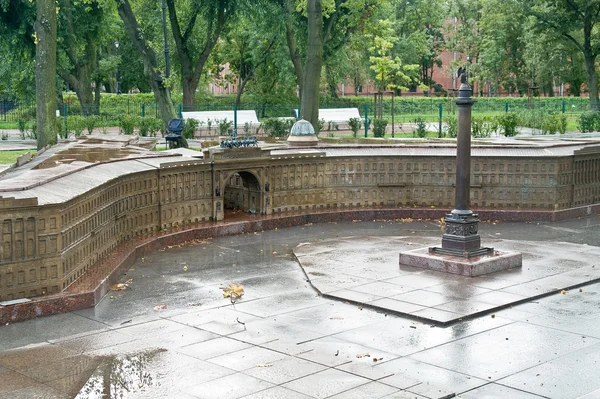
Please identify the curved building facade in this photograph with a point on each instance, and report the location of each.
(62, 214)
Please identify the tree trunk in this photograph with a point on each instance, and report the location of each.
(592, 80)
(291, 42)
(162, 94)
(331, 83)
(45, 73)
(189, 89)
(314, 59)
(241, 86)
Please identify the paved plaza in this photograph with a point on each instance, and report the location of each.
(167, 331)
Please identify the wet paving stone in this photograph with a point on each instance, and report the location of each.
(281, 339)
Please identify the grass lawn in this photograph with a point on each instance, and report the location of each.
(10, 157)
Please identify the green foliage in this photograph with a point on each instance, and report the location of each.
(554, 123)
(246, 129)
(128, 123)
(90, 123)
(277, 127)
(421, 129)
(150, 126)
(379, 126)
(22, 123)
(76, 124)
(4, 136)
(189, 129)
(508, 123)
(482, 127)
(354, 124)
(451, 128)
(61, 128)
(224, 125)
(320, 125)
(33, 130)
(589, 121)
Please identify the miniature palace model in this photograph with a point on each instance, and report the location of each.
(76, 203)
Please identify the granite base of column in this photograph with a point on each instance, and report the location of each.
(491, 262)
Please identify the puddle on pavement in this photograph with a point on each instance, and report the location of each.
(120, 376)
(87, 154)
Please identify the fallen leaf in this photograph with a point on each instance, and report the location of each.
(159, 307)
(264, 365)
(185, 268)
(233, 291)
(363, 355)
(120, 286)
(564, 292)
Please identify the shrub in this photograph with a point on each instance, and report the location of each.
(483, 127)
(145, 126)
(22, 124)
(224, 125)
(246, 129)
(451, 128)
(76, 124)
(189, 129)
(277, 127)
(33, 130)
(61, 128)
(320, 125)
(128, 123)
(589, 121)
(508, 123)
(379, 126)
(90, 123)
(550, 124)
(421, 130)
(354, 124)
(562, 124)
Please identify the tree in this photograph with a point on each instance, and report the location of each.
(80, 27)
(162, 93)
(503, 27)
(193, 52)
(420, 39)
(464, 38)
(249, 44)
(45, 72)
(575, 20)
(17, 47)
(389, 71)
(314, 62)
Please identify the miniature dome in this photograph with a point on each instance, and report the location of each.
(302, 128)
(302, 134)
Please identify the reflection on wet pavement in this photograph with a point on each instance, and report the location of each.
(120, 376)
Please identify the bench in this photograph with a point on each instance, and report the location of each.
(203, 117)
(337, 115)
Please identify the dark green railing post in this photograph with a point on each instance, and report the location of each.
(441, 115)
(235, 121)
(143, 110)
(366, 119)
(180, 111)
(564, 106)
(506, 107)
